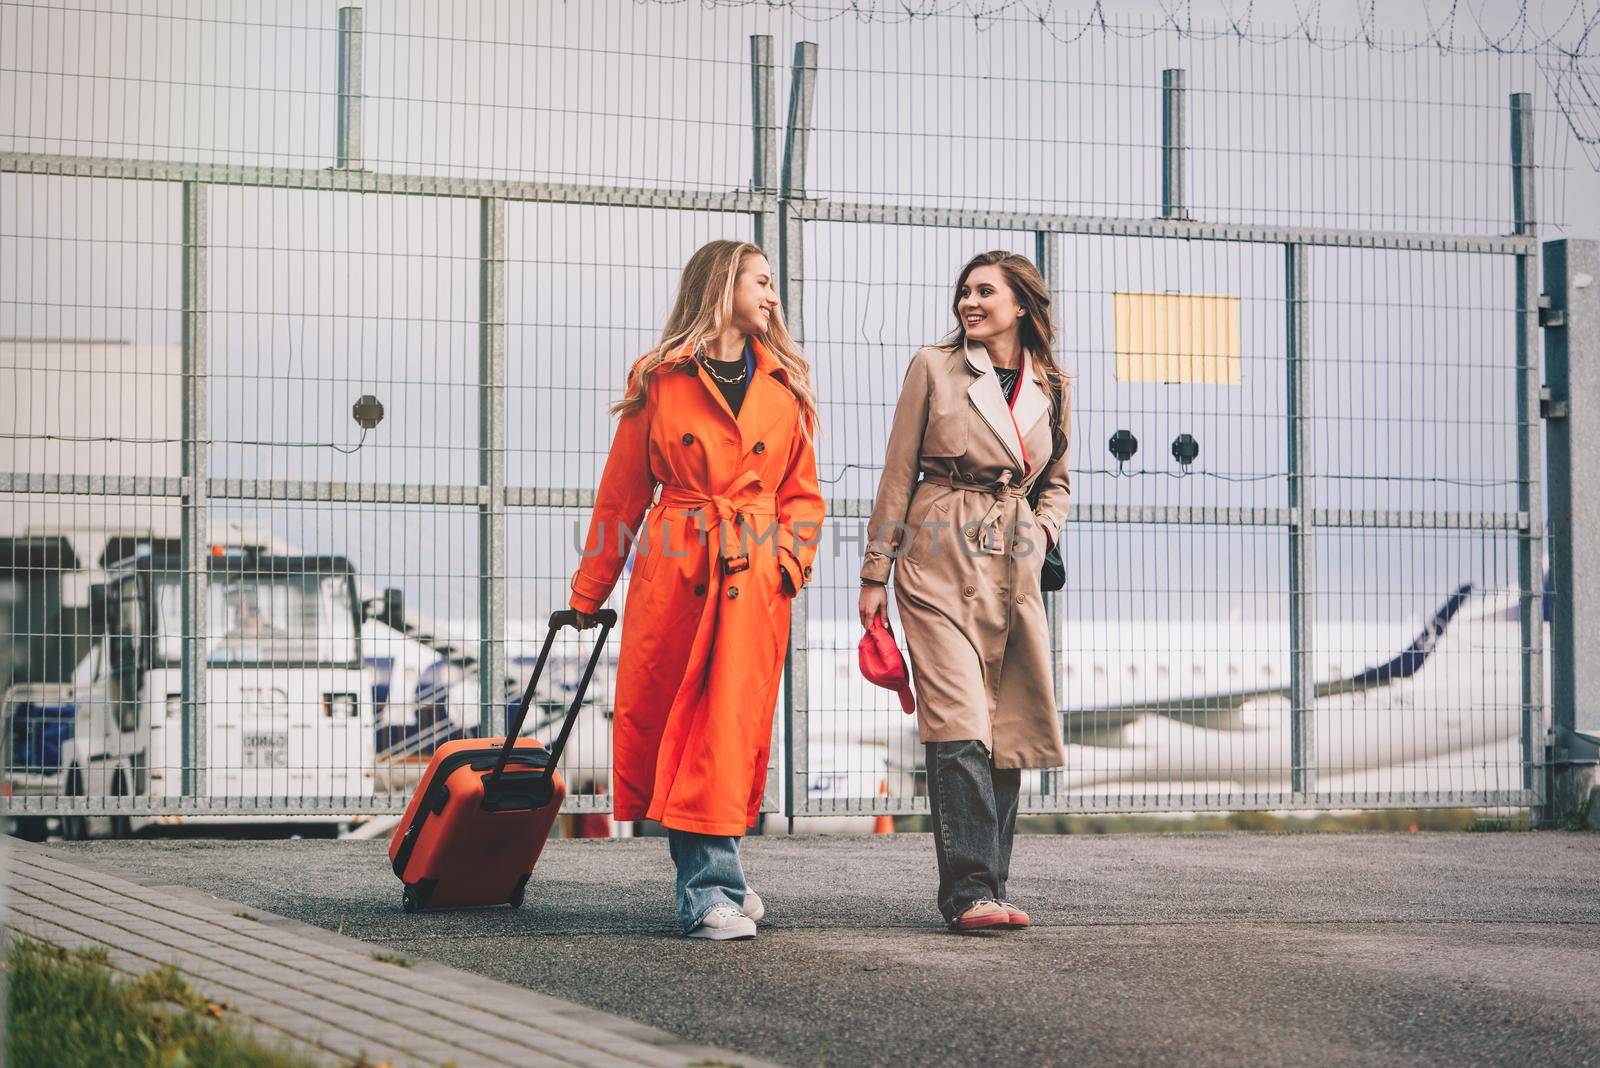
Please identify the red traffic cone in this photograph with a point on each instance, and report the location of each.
(594, 824)
(884, 824)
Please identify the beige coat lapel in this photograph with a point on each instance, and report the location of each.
(1033, 403)
(991, 403)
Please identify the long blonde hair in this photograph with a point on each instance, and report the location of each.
(1038, 328)
(704, 306)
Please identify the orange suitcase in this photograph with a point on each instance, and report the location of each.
(481, 814)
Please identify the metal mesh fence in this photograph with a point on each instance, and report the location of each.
(222, 230)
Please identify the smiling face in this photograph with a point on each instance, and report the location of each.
(985, 304)
(755, 296)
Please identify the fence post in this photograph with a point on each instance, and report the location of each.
(195, 509)
(1174, 146)
(796, 144)
(797, 671)
(764, 128)
(491, 464)
(1302, 680)
(348, 155)
(1572, 407)
(1530, 456)
(1047, 257)
(764, 179)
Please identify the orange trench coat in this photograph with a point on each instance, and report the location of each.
(703, 640)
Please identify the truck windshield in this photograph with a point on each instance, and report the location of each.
(14, 629)
(264, 619)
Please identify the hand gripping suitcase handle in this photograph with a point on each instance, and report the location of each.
(568, 618)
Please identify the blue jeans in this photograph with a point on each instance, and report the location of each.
(708, 874)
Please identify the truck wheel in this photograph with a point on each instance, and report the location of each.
(74, 828)
(121, 826)
(519, 893)
(408, 899)
(31, 828)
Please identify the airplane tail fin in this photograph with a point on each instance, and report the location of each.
(1411, 659)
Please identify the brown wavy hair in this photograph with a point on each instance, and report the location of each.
(704, 306)
(1038, 327)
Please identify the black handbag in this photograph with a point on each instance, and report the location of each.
(1053, 572)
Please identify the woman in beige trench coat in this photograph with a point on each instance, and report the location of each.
(952, 521)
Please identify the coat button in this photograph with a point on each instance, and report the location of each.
(972, 532)
(806, 571)
(1022, 600)
(733, 592)
(761, 446)
(700, 590)
(969, 590)
(688, 439)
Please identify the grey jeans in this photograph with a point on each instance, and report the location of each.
(974, 808)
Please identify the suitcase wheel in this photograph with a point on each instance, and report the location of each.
(416, 896)
(519, 893)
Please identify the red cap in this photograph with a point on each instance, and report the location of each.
(882, 664)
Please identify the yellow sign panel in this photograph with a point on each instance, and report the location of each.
(1175, 337)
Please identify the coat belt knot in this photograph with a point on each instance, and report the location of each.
(730, 510)
(993, 538)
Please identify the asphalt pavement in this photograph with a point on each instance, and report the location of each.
(1193, 950)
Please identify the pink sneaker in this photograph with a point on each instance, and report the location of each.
(1018, 917)
(981, 915)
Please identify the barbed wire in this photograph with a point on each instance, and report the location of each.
(1459, 27)
(1575, 89)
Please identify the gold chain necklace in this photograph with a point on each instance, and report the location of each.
(705, 361)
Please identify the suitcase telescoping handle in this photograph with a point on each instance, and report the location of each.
(568, 618)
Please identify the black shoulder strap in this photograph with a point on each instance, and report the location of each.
(1058, 441)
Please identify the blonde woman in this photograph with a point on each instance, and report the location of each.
(981, 425)
(719, 418)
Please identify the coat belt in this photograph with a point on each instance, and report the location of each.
(729, 511)
(993, 539)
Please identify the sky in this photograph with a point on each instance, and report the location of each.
(318, 298)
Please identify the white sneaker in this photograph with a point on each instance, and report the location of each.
(724, 923)
(754, 907)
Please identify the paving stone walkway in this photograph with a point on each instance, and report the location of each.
(333, 999)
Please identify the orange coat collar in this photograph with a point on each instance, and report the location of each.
(768, 385)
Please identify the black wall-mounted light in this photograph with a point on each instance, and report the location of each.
(1185, 449)
(368, 412)
(1123, 445)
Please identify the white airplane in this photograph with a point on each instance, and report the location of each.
(1152, 707)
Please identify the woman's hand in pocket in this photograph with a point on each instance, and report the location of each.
(874, 602)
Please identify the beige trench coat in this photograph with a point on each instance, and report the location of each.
(952, 521)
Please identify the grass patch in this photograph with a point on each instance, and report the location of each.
(246, 916)
(67, 1008)
(392, 958)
